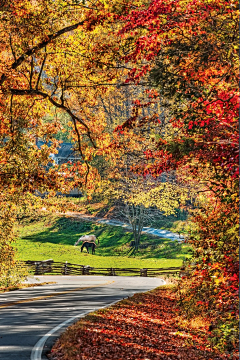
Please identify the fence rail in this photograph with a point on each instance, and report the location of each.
(60, 268)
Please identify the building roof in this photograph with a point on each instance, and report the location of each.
(65, 150)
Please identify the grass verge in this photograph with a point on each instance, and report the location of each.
(24, 286)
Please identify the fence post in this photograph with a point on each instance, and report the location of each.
(50, 265)
(65, 269)
(143, 272)
(37, 268)
(85, 270)
(112, 272)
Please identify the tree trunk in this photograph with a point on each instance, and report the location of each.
(135, 216)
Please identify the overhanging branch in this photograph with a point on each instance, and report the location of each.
(40, 46)
(35, 92)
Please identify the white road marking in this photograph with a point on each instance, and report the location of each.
(36, 353)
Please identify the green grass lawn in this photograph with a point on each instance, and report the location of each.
(53, 237)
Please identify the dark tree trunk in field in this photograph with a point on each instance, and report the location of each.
(136, 216)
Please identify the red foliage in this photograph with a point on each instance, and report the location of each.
(142, 328)
(195, 64)
(193, 61)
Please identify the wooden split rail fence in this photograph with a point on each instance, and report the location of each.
(59, 268)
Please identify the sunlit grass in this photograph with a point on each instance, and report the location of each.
(53, 237)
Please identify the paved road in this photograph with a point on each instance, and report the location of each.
(157, 232)
(29, 314)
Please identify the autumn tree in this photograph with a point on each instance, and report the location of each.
(141, 200)
(188, 52)
(70, 56)
(48, 71)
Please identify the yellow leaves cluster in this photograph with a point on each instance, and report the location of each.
(164, 196)
(10, 273)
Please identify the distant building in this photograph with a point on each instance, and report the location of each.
(65, 153)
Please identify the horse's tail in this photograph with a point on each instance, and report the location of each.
(98, 240)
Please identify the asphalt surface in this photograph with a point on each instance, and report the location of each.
(27, 315)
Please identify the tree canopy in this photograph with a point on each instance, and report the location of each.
(154, 81)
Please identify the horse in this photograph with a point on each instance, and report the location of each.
(87, 245)
(89, 238)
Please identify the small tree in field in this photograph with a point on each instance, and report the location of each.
(138, 216)
(142, 199)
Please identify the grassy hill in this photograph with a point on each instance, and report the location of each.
(53, 237)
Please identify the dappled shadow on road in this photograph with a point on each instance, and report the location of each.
(22, 324)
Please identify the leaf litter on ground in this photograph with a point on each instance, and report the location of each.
(146, 326)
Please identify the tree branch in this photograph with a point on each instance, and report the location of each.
(41, 70)
(55, 103)
(31, 73)
(11, 45)
(80, 149)
(40, 46)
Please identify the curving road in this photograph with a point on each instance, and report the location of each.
(32, 318)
